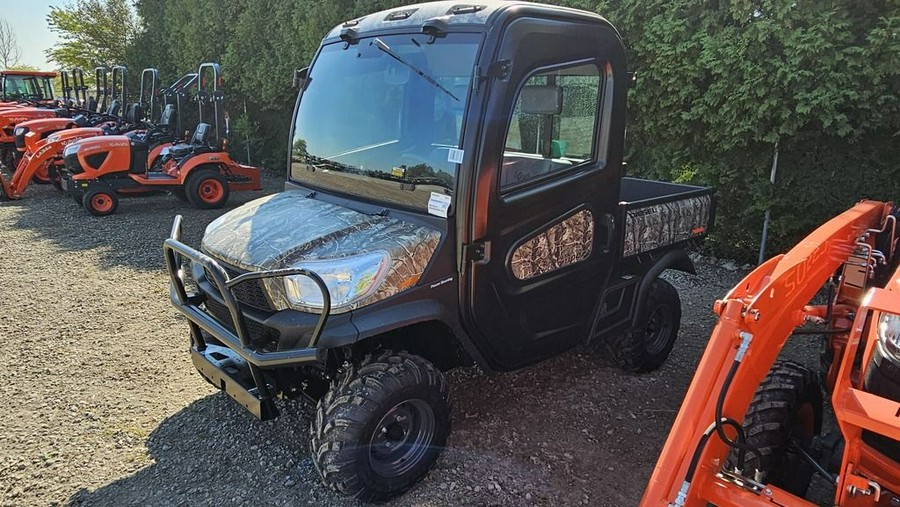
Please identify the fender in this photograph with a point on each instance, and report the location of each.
(673, 259)
(241, 177)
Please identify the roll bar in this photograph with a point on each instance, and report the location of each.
(148, 92)
(101, 79)
(210, 94)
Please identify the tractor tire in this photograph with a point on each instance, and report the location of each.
(646, 347)
(787, 406)
(381, 426)
(207, 189)
(100, 203)
(41, 178)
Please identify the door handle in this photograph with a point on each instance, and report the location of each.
(609, 223)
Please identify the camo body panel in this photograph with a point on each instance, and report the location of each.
(561, 245)
(281, 230)
(663, 224)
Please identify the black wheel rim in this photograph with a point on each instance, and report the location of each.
(658, 330)
(401, 438)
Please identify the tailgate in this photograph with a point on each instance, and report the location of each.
(660, 215)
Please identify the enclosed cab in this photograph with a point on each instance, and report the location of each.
(455, 195)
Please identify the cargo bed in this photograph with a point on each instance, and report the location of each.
(657, 215)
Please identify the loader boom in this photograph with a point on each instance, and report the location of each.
(755, 320)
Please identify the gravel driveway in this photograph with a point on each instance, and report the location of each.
(101, 405)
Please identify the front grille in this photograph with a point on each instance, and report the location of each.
(20, 139)
(73, 165)
(250, 293)
(260, 334)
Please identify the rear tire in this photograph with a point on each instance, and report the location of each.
(100, 203)
(381, 426)
(646, 347)
(207, 189)
(787, 406)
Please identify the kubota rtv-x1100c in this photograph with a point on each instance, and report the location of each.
(749, 431)
(455, 195)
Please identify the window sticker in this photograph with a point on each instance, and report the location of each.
(439, 204)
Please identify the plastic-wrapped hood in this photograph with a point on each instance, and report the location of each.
(280, 230)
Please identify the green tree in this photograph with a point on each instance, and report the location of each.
(720, 83)
(92, 32)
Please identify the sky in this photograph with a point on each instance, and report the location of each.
(29, 21)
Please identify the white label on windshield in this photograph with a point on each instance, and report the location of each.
(455, 156)
(438, 204)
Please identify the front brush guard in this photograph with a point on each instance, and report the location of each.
(259, 400)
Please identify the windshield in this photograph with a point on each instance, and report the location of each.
(381, 119)
(21, 87)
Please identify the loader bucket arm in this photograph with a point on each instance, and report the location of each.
(755, 320)
(30, 164)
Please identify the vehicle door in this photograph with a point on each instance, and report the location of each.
(547, 188)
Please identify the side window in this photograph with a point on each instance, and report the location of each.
(553, 125)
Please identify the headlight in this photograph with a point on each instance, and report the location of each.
(70, 149)
(20, 131)
(349, 280)
(889, 332)
(53, 138)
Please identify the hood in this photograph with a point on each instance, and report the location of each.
(280, 230)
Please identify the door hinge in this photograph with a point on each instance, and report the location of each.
(477, 252)
(474, 252)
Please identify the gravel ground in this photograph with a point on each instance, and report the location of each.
(103, 407)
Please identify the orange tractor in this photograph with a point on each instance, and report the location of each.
(28, 133)
(26, 95)
(749, 430)
(39, 143)
(17, 86)
(100, 169)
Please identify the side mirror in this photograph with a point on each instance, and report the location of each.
(547, 99)
(300, 76)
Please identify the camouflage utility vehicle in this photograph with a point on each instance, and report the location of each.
(455, 196)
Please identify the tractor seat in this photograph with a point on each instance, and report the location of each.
(167, 118)
(61, 113)
(80, 120)
(134, 114)
(199, 143)
(113, 109)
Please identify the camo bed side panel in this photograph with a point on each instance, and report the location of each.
(666, 223)
(561, 245)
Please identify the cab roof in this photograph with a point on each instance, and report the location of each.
(449, 11)
(27, 73)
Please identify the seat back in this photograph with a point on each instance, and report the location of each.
(80, 120)
(134, 114)
(113, 109)
(92, 104)
(167, 118)
(201, 134)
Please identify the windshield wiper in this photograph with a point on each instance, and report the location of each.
(387, 49)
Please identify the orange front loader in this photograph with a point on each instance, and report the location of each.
(748, 431)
